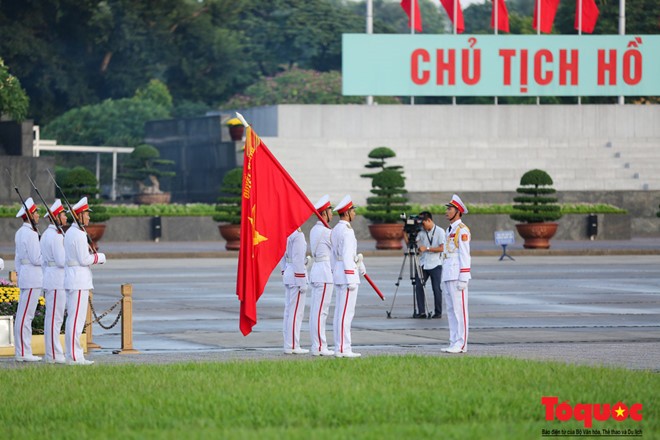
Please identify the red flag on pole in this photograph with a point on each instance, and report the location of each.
(406, 5)
(548, 10)
(273, 206)
(449, 7)
(502, 16)
(589, 15)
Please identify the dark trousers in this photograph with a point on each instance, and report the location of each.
(436, 279)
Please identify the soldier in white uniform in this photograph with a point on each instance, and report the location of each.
(455, 275)
(294, 275)
(30, 278)
(52, 251)
(2, 264)
(320, 278)
(346, 277)
(78, 282)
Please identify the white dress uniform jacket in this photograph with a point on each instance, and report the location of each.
(293, 262)
(321, 247)
(28, 258)
(456, 256)
(77, 274)
(344, 249)
(52, 252)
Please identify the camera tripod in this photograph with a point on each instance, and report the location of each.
(415, 271)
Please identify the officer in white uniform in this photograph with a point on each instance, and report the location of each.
(2, 264)
(78, 282)
(52, 251)
(30, 280)
(320, 277)
(294, 275)
(346, 277)
(455, 275)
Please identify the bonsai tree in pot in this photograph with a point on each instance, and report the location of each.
(388, 201)
(144, 168)
(537, 209)
(79, 182)
(228, 208)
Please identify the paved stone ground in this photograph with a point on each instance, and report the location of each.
(595, 310)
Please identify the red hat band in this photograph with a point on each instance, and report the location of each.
(345, 208)
(457, 206)
(84, 207)
(58, 211)
(324, 207)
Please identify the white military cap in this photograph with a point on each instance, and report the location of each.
(323, 203)
(457, 203)
(81, 206)
(56, 208)
(345, 204)
(30, 206)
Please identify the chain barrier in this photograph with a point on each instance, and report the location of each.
(97, 318)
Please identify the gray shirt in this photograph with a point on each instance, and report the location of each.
(433, 238)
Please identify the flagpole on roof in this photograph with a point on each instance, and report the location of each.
(370, 30)
(622, 31)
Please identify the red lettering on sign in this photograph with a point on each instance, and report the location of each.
(507, 54)
(476, 73)
(540, 76)
(606, 66)
(443, 66)
(523, 70)
(632, 67)
(566, 66)
(419, 77)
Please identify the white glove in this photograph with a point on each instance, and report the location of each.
(461, 285)
(302, 289)
(309, 262)
(352, 287)
(362, 269)
(101, 259)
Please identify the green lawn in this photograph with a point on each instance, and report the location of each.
(373, 397)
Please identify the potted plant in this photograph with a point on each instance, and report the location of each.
(388, 202)
(228, 209)
(143, 168)
(79, 182)
(536, 209)
(236, 129)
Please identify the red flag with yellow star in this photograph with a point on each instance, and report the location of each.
(273, 206)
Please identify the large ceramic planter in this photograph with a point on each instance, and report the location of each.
(232, 235)
(39, 345)
(153, 199)
(95, 232)
(387, 235)
(537, 235)
(236, 132)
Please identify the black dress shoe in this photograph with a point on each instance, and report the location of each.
(419, 315)
(437, 315)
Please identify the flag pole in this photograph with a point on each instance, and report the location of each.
(622, 31)
(538, 32)
(286, 175)
(496, 25)
(579, 98)
(412, 32)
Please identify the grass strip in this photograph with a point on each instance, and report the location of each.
(374, 397)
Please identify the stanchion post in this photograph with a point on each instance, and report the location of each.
(88, 325)
(127, 320)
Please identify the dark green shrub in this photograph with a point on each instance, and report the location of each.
(388, 187)
(79, 182)
(536, 205)
(143, 165)
(228, 208)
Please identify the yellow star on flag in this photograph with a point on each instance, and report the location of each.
(619, 411)
(256, 236)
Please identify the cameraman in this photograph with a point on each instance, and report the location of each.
(430, 242)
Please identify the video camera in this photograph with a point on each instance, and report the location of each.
(412, 224)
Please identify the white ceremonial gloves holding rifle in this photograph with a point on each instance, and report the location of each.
(461, 285)
(361, 269)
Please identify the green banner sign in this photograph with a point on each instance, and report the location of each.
(501, 65)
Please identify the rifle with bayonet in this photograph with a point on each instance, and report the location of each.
(27, 211)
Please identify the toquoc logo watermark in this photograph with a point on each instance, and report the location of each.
(587, 412)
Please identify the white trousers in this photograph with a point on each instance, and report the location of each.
(456, 302)
(294, 309)
(27, 306)
(318, 314)
(55, 306)
(76, 311)
(344, 312)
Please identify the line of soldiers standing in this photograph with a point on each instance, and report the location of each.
(336, 266)
(60, 265)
